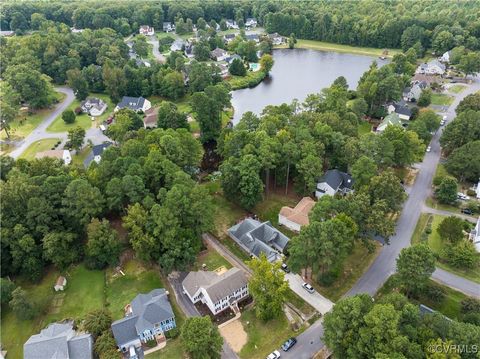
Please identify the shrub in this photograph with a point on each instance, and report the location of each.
(471, 193)
(437, 180)
(172, 333)
(462, 255)
(472, 318)
(470, 305)
(425, 98)
(327, 279)
(151, 343)
(78, 110)
(68, 116)
(435, 293)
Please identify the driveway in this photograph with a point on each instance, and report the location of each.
(316, 300)
(153, 40)
(441, 212)
(459, 283)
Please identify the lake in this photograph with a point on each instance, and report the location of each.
(298, 73)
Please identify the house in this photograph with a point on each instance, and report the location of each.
(445, 58)
(230, 59)
(76, 31)
(223, 70)
(475, 236)
(151, 118)
(6, 33)
(251, 22)
(59, 340)
(231, 24)
(63, 155)
(255, 238)
(477, 190)
(228, 38)
(60, 283)
(276, 38)
(433, 67)
(295, 218)
(96, 153)
(428, 79)
(137, 104)
(333, 182)
(401, 109)
(177, 45)
(168, 27)
(217, 292)
(252, 37)
(147, 318)
(93, 106)
(218, 54)
(390, 120)
(413, 93)
(146, 30)
(189, 50)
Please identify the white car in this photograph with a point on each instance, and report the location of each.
(462, 196)
(308, 288)
(274, 355)
(429, 149)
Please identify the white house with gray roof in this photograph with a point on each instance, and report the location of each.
(147, 317)
(137, 104)
(255, 238)
(217, 292)
(59, 341)
(333, 182)
(433, 67)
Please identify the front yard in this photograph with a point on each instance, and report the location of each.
(38, 146)
(441, 99)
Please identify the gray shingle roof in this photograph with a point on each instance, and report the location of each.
(337, 179)
(124, 330)
(195, 280)
(58, 340)
(402, 109)
(133, 103)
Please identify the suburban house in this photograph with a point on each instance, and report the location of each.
(96, 153)
(76, 31)
(168, 27)
(189, 50)
(445, 58)
(413, 93)
(151, 118)
(390, 120)
(60, 283)
(63, 155)
(147, 318)
(295, 218)
(230, 59)
(401, 109)
(475, 236)
(333, 182)
(59, 340)
(146, 30)
(231, 24)
(137, 104)
(477, 190)
(228, 37)
(252, 37)
(217, 291)
(93, 106)
(218, 54)
(177, 45)
(255, 237)
(276, 38)
(433, 67)
(6, 33)
(223, 70)
(251, 22)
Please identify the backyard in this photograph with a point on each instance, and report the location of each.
(327, 46)
(39, 146)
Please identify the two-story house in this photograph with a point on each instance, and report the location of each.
(147, 318)
(217, 292)
(333, 182)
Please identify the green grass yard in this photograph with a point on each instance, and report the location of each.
(38, 146)
(327, 46)
(83, 120)
(364, 127)
(212, 260)
(78, 158)
(457, 88)
(441, 99)
(268, 209)
(173, 350)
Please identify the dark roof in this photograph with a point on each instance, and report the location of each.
(337, 179)
(124, 330)
(402, 108)
(217, 53)
(252, 36)
(133, 103)
(98, 149)
(229, 36)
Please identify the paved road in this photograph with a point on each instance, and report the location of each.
(308, 343)
(451, 280)
(316, 300)
(153, 40)
(441, 212)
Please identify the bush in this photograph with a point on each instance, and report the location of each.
(151, 343)
(78, 110)
(68, 116)
(425, 98)
(462, 255)
(327, 279)
(172, 333)
(435, 293)
(472, 318)
(437, 180)
(470, 305)
(471, 193)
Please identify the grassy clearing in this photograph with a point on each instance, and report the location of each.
(441, 99)
(364, 127)
(38, 146)
(263, 337)
(173, 350)
(80, 157)
(82, 120)
(327, 46)
(457, 88)
(355, 265)
(268, 210)
(433, 203)
(299, 303)
(212, 259)
(24, 124)
(252, 79)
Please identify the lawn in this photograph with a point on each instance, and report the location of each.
(82, 283)
(83, 120)
(299, 303)
(173, 350)
(457, 88)
(354, 266)
(212, 259)
(364, 127)
(441, 99)
(23, 124)
(327, 46)
(270, 207)
(38, 146)
(263, 337)
(80, 157)
(252, 79)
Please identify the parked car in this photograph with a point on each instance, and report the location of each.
(285, 268)
(462, 196)
(429, 148)
(467, 211)
(288, 344)
(274, 355)
(308, 288)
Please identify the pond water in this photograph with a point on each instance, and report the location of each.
(298, 73)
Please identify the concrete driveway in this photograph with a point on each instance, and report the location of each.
(153, 40)
(316, 300)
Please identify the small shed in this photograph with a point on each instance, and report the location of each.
(60, 284)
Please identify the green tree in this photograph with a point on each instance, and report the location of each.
(170, 117)
(201, 338)
(363, 170)
(6, 288)
(443, 41)
(97, 321)
(22, 305)
(81, 202)
(266, 63)
(386, 186)
(60, 248)
(470, 102)
(463, 163)
(464, 129)
(267, 287)
(292, 40)
(68, 116)
(76, 80)
(412, 35)
(446, 192)
(76, 137)
(425, 98)
(173, 86)
(103, 246)
(115, 82)
(140, 45)
(9, 106)
(461, 255)
(105, 346)
(237, 68)
(415, 265)
(451, 229)
(126, 120)
(470, 63)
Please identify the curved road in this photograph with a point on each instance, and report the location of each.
(153, 40)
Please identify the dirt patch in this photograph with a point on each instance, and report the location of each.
(234, 335)
(220, 270)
